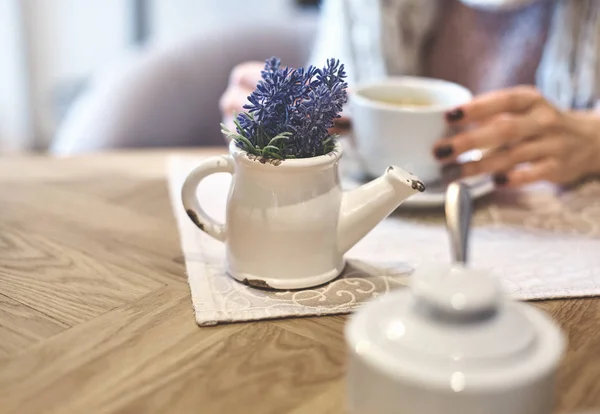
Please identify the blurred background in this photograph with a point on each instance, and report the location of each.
(56, 55)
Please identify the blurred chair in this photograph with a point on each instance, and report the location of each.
(169, 97)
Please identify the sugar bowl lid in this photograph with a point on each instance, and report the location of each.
(455, 319)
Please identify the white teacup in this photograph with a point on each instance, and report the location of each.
(397, 120)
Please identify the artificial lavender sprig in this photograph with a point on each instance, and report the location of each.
(291, 110)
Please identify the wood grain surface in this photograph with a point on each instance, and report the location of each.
(96, 315)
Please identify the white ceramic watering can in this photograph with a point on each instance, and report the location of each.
(289, 223)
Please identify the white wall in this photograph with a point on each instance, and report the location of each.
(67, 41)
(15, 127)
(46, 46)
(173, 19)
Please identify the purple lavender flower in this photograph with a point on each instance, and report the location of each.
(291, 111)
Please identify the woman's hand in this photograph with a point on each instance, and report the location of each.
(242, 82)
(528, 138)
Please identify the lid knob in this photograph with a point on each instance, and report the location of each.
(456, 292)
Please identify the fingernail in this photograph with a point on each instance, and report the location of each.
(444, 151)
(455, 115)
(500, 179)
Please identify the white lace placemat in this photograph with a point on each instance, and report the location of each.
(541, 245)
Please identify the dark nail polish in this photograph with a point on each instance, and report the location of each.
(444, 152)
(500, 179)
(455, 115)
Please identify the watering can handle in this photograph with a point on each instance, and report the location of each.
(213, 165)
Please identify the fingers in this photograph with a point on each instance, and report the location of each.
(342, 126)
(246, 75)
(233, 100)
(516, 100)
(242, 82)
(498, 132)
(506, 160)
(547, 169)
(519, 126)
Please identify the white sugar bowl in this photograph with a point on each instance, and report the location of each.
(452, 344)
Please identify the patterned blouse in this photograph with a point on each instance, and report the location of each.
(553, 44)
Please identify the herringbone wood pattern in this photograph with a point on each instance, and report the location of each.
(96, 317)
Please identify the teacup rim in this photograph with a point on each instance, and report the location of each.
(356, 96)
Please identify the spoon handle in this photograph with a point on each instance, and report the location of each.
(459, 210)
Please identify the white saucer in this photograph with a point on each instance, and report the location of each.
(435, 194)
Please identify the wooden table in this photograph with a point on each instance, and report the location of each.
(96, 316)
